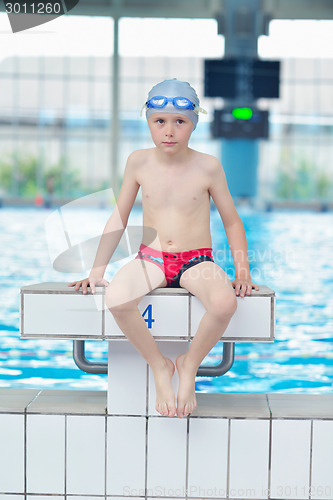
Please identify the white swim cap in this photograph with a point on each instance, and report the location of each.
(171, 89)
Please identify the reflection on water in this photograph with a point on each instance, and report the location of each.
(289, 252)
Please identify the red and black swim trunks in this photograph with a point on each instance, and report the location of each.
(174, 264)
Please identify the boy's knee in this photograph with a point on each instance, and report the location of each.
(118, 300)
(223, 305)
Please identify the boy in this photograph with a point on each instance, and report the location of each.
(177, 183)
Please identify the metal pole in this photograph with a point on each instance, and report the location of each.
(115, 122)
(83, 363)
(204, 371)
(221, 368)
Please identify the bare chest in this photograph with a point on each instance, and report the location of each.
(181, 191)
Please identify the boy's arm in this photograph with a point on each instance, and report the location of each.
(114, 228)
(117, 222)
(234, 229)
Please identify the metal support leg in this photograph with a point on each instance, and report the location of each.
(204, 371)
(83, 363)
(222, 367)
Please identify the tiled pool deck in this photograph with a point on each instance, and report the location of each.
(63, 445)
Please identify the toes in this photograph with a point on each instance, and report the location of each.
(180, 410)
(172, 411)
(183, 410)
(192, 407)
(162, 409)
(165, 409)
(187, 410)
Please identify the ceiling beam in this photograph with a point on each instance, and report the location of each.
(198, 9)
(299, 9)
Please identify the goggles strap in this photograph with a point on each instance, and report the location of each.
(143, 107)
(198, 110)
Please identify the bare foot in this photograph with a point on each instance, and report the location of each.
(165, 397)
(186, 401)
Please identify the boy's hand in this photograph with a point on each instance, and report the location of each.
(92, 282)
(243, 286)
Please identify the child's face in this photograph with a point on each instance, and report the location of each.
(170, 131)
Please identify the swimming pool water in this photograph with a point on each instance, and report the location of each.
(290, 252)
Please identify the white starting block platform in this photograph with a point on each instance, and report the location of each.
(55, 310)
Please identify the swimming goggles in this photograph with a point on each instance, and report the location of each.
(159, 102)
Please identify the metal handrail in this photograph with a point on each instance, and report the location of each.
(204, 371)
(222, 367)
(83, 363)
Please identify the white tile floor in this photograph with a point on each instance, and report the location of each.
(249, 456)
(208, 443)
(45, 442)
(291, 445)
(126, 458)
(322, 460)
(12, 497)
(12, 453)
(85, 465)
(47, 497)
(233, 446)
(166, 456)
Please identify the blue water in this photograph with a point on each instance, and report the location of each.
(290, 252)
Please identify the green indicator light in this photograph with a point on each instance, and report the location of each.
(242, 113)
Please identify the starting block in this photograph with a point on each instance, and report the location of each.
(56, 311)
